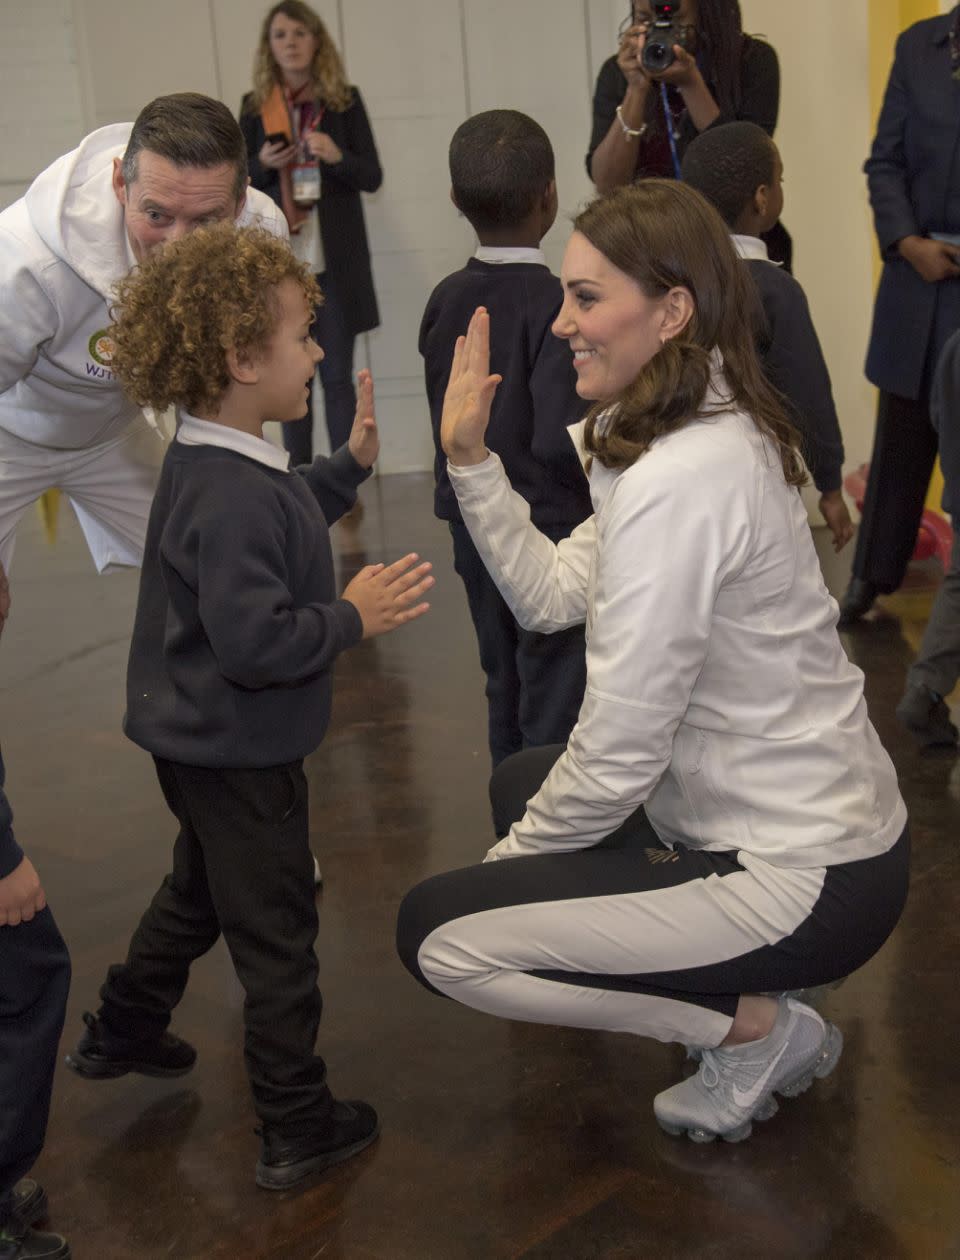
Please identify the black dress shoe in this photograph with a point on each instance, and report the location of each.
(857, 601)
(29, 1201)
(20, 1242)
(286, 1160)
(101, 1054)
(925, 715)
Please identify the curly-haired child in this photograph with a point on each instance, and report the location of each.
(229, 680)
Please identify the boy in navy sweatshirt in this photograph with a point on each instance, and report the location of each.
(502, 173)
(738, 169)
(229, 682)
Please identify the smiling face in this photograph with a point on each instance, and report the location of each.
(613, 328)
(293, 47)
(286, 365)
(166, 202)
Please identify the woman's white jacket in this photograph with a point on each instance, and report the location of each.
(718, 694)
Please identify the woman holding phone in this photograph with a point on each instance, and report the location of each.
(311, 148)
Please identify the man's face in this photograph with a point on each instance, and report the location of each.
(165, 201)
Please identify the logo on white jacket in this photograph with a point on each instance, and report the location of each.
(101, 348)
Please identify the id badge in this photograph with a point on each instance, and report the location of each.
(306, 183)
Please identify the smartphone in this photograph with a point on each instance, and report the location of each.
(278, 137)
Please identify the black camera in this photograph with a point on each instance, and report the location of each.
(666, 31)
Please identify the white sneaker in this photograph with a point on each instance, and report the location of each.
(317, 877)
(736, 1085)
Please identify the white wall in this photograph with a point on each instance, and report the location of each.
(423, 66)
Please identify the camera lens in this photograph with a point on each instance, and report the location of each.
(657, 55)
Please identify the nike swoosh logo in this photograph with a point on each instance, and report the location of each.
(752, 1095)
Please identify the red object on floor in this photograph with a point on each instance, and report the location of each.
(935, 535)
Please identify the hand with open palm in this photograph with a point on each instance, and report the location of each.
(470, 391)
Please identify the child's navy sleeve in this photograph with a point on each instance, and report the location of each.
(333, 481)
(11, 855)
(794, 364)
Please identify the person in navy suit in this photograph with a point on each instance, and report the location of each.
(913, 174)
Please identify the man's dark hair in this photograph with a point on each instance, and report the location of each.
(728, 164)
(188, 129)
(501, 163)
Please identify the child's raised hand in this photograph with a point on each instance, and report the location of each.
(470, 391)
(364, 440)
(385, 595)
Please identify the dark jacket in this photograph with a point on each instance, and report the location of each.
(342, 227)
(238, 624)
(913, 174)
(536, 400)
(759, 103)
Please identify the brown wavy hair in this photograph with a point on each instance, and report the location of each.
(176, 315)
(327, 72)
(665, 235)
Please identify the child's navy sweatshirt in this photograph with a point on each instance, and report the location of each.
(238, 623)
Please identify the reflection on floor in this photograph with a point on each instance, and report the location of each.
(499, 1140)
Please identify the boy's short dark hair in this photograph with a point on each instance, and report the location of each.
(728, 164)
(501, 163)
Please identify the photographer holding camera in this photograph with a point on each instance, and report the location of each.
(682, 66)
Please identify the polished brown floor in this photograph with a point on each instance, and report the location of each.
(499, 1139)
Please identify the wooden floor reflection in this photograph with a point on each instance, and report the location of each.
(499, 1139)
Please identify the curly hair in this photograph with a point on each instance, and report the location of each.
(665, 235)
(327, 72)
(178, 313)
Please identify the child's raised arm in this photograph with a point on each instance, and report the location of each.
(364, 440)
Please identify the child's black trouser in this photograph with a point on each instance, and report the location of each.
(535, 682)
(241, 866)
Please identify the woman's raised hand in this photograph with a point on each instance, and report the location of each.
(470, 391)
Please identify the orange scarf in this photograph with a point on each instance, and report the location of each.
(276, 115)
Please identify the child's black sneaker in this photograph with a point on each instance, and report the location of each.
(29, 1201)
(20, 1242)
(286, 1160)
(101, 1054)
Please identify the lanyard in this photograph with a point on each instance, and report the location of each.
(305, 117)
(671, 136)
